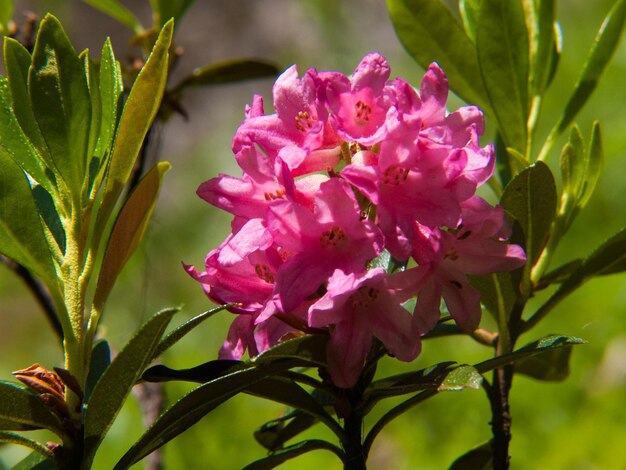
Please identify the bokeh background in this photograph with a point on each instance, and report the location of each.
(578, 424)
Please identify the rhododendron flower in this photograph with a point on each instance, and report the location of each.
(359, 308)
(349, 166)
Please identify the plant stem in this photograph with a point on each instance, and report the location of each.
(353, 445)
(501, 416)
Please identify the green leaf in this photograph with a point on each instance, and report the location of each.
(93, 83)
(479, 458)
(551, 365)
(502, 50)
(541, 16)
(119, 12)
(17, 439)
(593, 164)
(21, 137)
(139, 111)
(410, 382)
(21, 234)
(228, 72)
(547, 343)
(176, 335)
(6, 13)
(461, 378)
(470, 10)
(599, 56)
(203, 373)
(129, 228)
(308, 350)
(166, 9)
(531, 199)
(100, 361)
(274, 434)
(498, 292)
(49, 215)
(430, 32)
(190, 409)
(288, 453)
(35, 461)
(560, 274)
(60, 100)
(572, 168)
(19, 407)
(116, 382)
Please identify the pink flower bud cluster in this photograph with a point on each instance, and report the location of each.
(346, 168)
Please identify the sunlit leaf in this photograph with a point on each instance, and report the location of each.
(130, 225)
(461, 378)
(118, 11)
(431, 33)
(227, 72)
(19, 407)
(60, 100)
(139, 111)
(117, 380)
(502, 49)
(542, 15)
(17, 439)
(470, 10)
(599, 56)
(35, 461)
(288, 453)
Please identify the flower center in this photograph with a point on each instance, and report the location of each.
(395, 174)
(333, 237)
(264, 273)
(362, 112)
(304, 121)
(278, 194)
(364, 297)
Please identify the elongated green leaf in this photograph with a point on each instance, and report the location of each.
(410, 382)
(309, 350)
(130, 225)
(166, 9)
(599, 56)
(93, 83)
(176, 335)
(100, 361)
(470, 10)
(203, 373)
(498, 292)
(551, 365)
(479, 458)
(541, 15)
(35, 461)
(17, 439)
(461, 378)
(430, 32)
(21, 136)
(547, 343)
(593, 165)
(139, 111)
(276, 433)
(49, 215)
(559, 274)
(227, 72)
(572, 168)
(502, 49)
(21, 235)
(116, 382)
(59, 96)
(19, 407)
(288, 453)
(190, 409)
(531, 198)
(117, 11)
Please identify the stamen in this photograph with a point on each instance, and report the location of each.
(304, 121)
(332, 237)
(395, 174)
(264, 273)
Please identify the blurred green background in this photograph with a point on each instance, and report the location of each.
(578, 424)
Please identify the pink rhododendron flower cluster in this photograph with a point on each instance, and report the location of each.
(345, 168)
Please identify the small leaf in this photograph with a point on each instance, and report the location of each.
(21, 234)
(461, 378)
(117, 380)
(19, 407)
(551, 342)
(430, 32)
(117, 11)
(276, 433)
(129, 228)
(288, 453)
(593, 164)
(100, 361)
(551, 365)
(49, 215)
(35, 461)
(59, 96)
(469, 10)
(308, 350)
(599, 56)
(479, 458)
(17, 439)
(176, 335)
(502, 49)
(190, 409)
(139, 111)
(227, 72)
(531, 198)
(166, 9)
